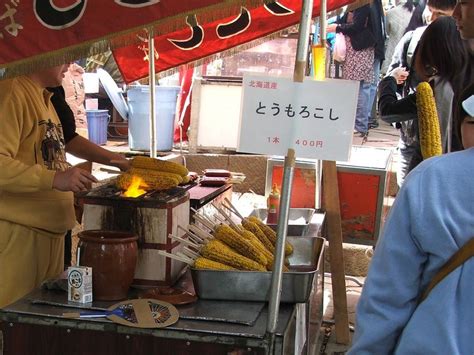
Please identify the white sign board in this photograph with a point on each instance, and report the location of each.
(315, 118)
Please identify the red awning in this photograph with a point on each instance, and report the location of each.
(202, 38)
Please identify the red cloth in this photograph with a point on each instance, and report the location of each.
(204, 39)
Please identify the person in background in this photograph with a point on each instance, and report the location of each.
(442, 59)
(397, 19)
(362, 64)
(431, 219)
(73, 84)
(36, 184)
(464, 15)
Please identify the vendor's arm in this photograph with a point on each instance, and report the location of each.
(85, 149)
(390, 293)
(390, 107)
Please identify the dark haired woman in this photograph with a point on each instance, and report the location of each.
(442, 59)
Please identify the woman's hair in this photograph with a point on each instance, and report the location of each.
(409, 5)
(442, 52)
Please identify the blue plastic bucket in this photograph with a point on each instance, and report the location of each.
(138, 98)
(97, 121)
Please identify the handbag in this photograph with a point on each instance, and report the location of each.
(339, 51)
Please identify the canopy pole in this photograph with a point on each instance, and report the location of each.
(152, 82)
(275, 288)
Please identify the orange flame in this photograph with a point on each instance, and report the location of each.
(135, 190)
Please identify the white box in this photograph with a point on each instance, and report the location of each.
(79, 281)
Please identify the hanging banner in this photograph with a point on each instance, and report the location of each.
(65, 29)
(315, 118)
(202, 39)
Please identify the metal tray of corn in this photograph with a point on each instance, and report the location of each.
(255, 286)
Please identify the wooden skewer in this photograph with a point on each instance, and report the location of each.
(232, 207)
(184, 241)
(172, 256)
(203, 221)
(181, 255)
(201, 233)
(231, 222)
(192, 253)
(193, 237)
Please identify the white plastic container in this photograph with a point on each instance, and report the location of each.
(138, 98)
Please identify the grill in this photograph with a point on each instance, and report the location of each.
(152, 216)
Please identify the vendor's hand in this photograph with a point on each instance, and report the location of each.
(73, 179)
(122, 163)
(400, 74)
(331, 28)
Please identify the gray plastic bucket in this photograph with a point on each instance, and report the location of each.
(97, 122)
(138, 98)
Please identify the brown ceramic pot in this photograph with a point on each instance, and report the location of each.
(113, 257)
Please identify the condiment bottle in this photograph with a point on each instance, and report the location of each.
(273, 205)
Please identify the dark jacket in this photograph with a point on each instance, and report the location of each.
(377, 22)
(360, 19)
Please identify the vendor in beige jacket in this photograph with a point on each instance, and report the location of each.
(36, 184)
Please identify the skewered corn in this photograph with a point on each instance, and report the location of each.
(270, 234)
(231, 238)
(155, 173)
(218, 251)
(208, 264)
(253, 227)
(428, 122)
(158, 164)
(150, 182)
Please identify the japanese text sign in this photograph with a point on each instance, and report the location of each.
(315, 118)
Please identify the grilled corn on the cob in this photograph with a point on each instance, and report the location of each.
(428, 122)
(149, 182)
(158, 164)
(253, 227)
(208, 264)
(271, 235)
(227, 235)
(218, 251)
(154, 173)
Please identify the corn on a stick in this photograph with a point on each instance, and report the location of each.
(150, 182)
(160, 165)
(270, 233)
(218, 251)
(227, 218)
(428, 122)
(231, 238)
(154, 173)
(208, 264)
(254, 228)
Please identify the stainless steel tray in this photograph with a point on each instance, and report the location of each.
(255, 286)
(298, 219)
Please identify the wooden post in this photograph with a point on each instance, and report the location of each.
(334, 229)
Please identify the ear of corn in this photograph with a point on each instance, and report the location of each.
(428, 122)
(160, 165)
(150, 182)
(208, 264)
(186, 179)
(253, 227)
(252, 239)
(231, 238)
(218, 251)
(270, 234)
(154, 173)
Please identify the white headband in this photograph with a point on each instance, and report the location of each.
(468, 105)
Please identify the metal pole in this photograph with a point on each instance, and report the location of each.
(151, 61)
(275, 288)
(302, 48)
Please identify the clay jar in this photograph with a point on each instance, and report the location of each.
(113, 257)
